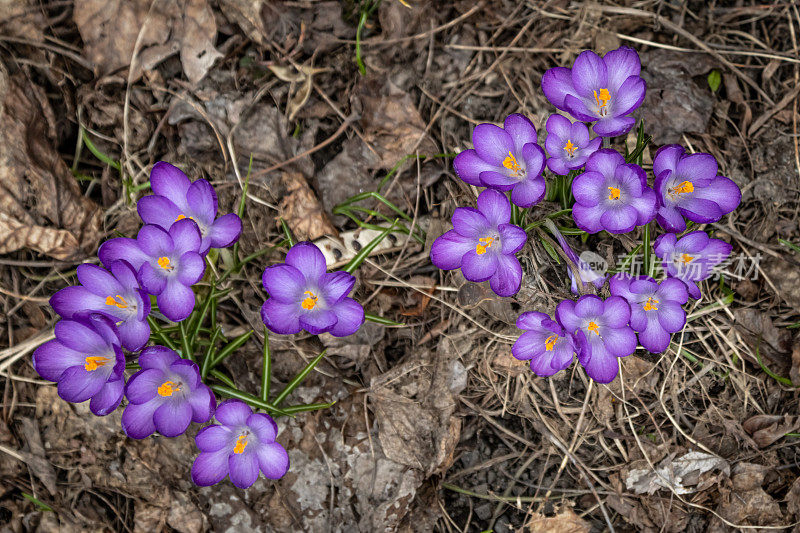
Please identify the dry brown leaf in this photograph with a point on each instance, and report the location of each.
(301, 209)
(21, 18)
(565, 521)
(110, 29)
(766, 429)
(41, 205)
(35, 455)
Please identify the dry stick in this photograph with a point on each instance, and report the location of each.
(380, 42)
(796, 82)
(790, 97)
(308, 152)
(680, 31)
(542, 428)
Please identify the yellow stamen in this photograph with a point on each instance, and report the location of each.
(603, 98)
(180, 217)
(594, 328)
(310, 302)
(650, 304)
(686, 259)
(480, 249)
(613, 193)
(683, 188)
(241, 444)
(93, 362)
(570, 148)
(163, 262)
(510, 162)
(550, 342)
(112, 300)
(167, 388)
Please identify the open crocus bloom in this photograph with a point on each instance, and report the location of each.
(544, 343)
(116, 295)
(601, 90)
(242, 444)
(168, 264)
(568, 144)
(177, 198)
(612, 195)
(165, 395)
(86, 361)
(602, 333)
(304, 296)
(656, 308)
(505, 159)
(687, 185)
(692, 258)
(482, 244)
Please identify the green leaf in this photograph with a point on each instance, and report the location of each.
(37, 502)
(714, 80)
(299, 378)
(381, 320)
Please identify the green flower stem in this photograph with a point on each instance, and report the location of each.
(209, 356)
(231, 347)
(288, 233)
(293, 409)
(223, 378)
(164, 339)
(186, 346)
(362, 255)
(381, 320)
(233, 392)
(299, 378)
(266, 368)
(646, 250)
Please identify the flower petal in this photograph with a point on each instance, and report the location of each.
(243, 469)
(122, 248)
(512, 237)
(497, 180)
(210, 468)
(557, 84)
(349, 316)
(629, 96)
(173, 417)
(589, 73)
(143, 385)
(673, 289)
(202, 201)
(176, 301)
(507, 279)
(589, 305)
(492, 143)
(619, 342)
(469, 222)
(70, 301)
(619, 220)
(306, 257)
(616, 311)
(613, 126)
(654, 338)
(213, 438)
(186, 236)
(588, 218)
(671, 316)
(318, 321)
(566, 316)
(137, 419)
(336, 285)
(191, 268)
(495, 207)
(521, 130)
(152, 279)
(531, 320)
(448, 249)
(263, 426)
(468, 166)
(670, 219)
(621, 64)
(589, 188)
(52, 358)
(600, 365)
(170, 181)
(78, 385)
(273, 460)
(225, 230)
(478, 268)
(722, 191)
(158, 210)
(233, 413)
(283, 282)
(76, 334)
(158, 357)
(529, 192)
(281, 318)
(154, 241)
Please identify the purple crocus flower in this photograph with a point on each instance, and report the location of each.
(304, 296)
(692, 258)
(482, 244)
(240, 445)
(602, 333)
(177, 198)
(116, 295)
(568, 144)
(86, 361)
(168, 264)
(656, 308)
(601, 90)
(612, 195)
(687, 185)
(506, 159)
(165, 395)
(544, 343)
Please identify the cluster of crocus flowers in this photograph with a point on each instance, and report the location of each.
(107, 315)
(611, 193)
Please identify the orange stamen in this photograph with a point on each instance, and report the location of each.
(310, 302)
(594, 328)
(550, 342)
(570, 148)
(613, 193)
(93, 362)
(480, 249)
(112, 300)
(650, 304)
(167, 388)
(241, 444)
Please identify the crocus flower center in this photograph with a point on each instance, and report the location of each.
(686, 259)
(593, 327)
(602, 98)
(613, 193)
(510, 162)
(117, 300)
(182, 216)
(241, 444)
(550, 342)
(570, 148)
(310, 302)
(164, 263)
(93, 362)
(483, 244)
(650, 304)
(683, 188)
(168, 388)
